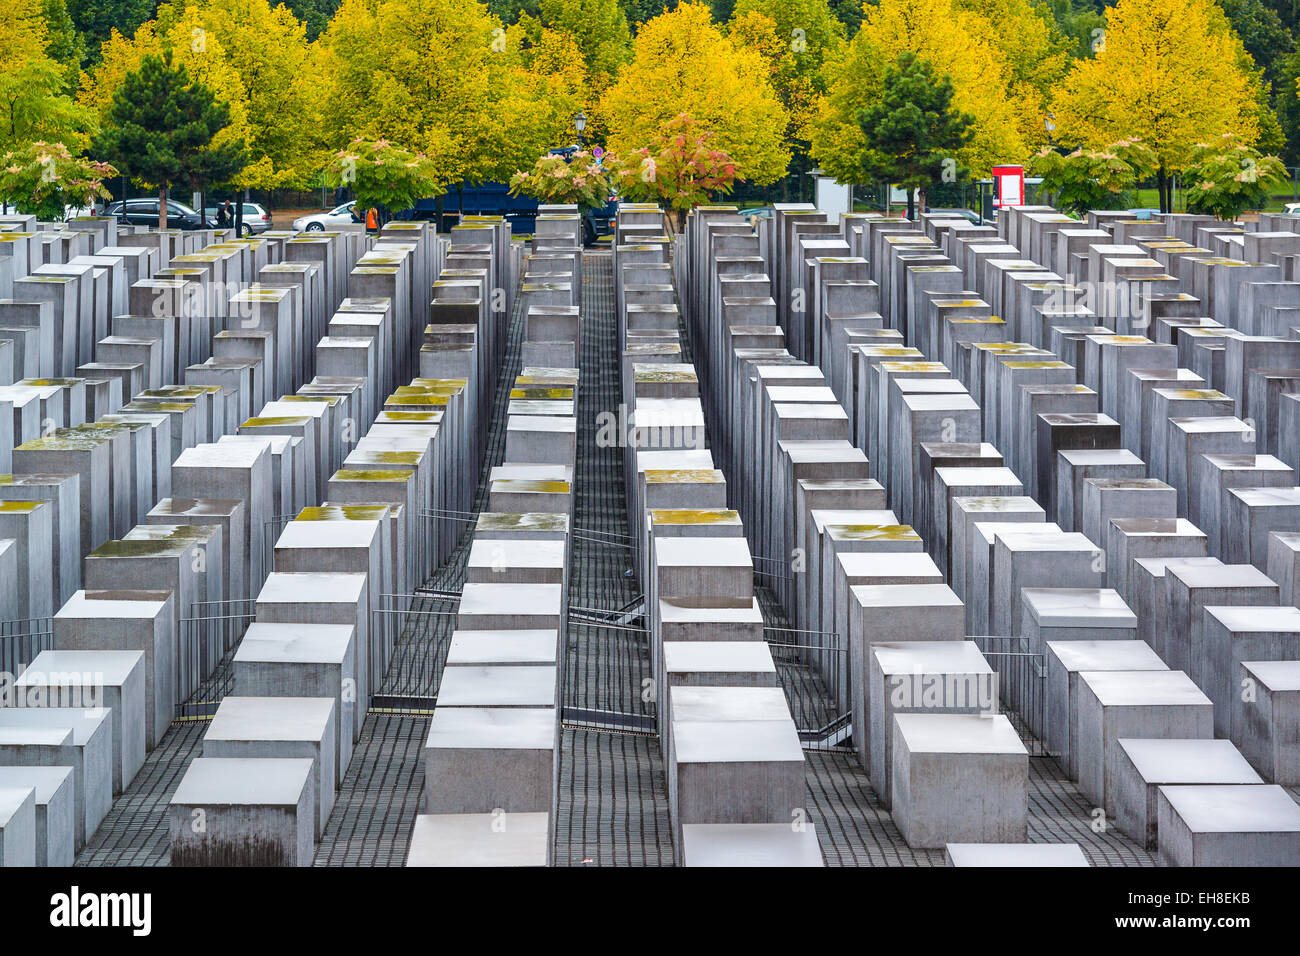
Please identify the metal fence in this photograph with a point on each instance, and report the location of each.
(612, 539)
(272, 528)
(1021, 687)
(417, 629)
(631, 614)
(772, 570)
(209, 635)
(608, 672)
(22, 640)
(812, 667)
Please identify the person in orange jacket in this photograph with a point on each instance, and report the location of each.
(372, 219)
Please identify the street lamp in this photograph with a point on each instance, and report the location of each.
(1050, 125)
(580, 123)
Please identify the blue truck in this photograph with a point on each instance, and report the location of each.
(494, 199)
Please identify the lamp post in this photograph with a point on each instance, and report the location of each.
(580, 123)
(1050, 125)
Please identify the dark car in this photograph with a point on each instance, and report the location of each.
(144, 212)
(967, 214)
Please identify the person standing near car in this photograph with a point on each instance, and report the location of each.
(372, 219)
(223, 215)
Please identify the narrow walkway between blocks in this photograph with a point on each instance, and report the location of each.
(612, 796)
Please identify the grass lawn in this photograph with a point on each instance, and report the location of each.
(1147, 199)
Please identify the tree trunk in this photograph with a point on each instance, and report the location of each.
(162, 206)
(1162, 182)
(911, 205)
(921, 201)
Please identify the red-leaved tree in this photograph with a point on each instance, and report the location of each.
(680, 169)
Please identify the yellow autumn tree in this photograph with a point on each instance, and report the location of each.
(35, 102)
(573, 49)
(683, 64)
(551, 67)
(267, 47)
(1170, 72)
(795, 37)
(1036, 55)
(999, 71)
(255, 58)
(600, 30)
(440, 77)
(202, 56)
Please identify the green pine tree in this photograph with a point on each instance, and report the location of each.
(913, 132)
(160, 129)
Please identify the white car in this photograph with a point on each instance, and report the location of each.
(1292, 209)
(322, 221)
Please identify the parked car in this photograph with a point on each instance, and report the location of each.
(144, 212)
(969, 214)
(1143, 213)
(256, 218)
(1292, 209)
(321, 221)
(755, 213)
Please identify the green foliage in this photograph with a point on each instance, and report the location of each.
(600, 29)
(1287, 103)
(160, 129)
(639, 11)
(1227, 177)
(44, 179)
(383, 176)
(1093, 179)
(509, 11)
(63, 44)
(795, 37)
(552, 179)
(34, 103)
(913, 132)
(1272, 137)
(1287, 10)
(34, 84)
(1083, 23)
(96, 19)
(1264, 35)
(849, 13)
(315, 14)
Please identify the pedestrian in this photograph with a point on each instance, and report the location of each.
(372, 219)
